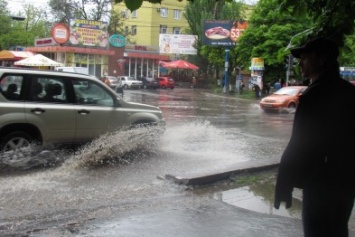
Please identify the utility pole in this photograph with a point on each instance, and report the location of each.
(289, 68)
(226, 65)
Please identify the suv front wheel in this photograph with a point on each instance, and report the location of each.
(16, 145)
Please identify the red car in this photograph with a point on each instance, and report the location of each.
(166, 82)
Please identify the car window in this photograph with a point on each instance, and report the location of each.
(287, 91)
(10, 86)
(48, 89)
(91, 93)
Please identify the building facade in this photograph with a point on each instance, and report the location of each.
(141, 56)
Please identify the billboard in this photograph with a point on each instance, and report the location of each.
(222, 32)
(177, 44)
(88, 33)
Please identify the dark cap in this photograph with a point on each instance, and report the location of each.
(322, 46)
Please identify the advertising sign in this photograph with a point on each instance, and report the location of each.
(88, 33)
(117, 40)
(177, 44)
(257, 64)
(45, 41)
(60, 33)
(222, 32)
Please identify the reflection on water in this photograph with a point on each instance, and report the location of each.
(253, 191)
(249, 198)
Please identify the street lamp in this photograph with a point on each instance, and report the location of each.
(301, 33)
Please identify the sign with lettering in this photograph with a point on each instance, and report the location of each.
(117, 40)
(88, 33)
(44, 42)
(60, 33)
(177, 44)
(222, 32)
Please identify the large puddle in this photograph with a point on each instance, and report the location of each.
(254, 192)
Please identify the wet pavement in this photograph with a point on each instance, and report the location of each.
(150, 189)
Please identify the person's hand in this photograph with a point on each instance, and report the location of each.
(283, 193)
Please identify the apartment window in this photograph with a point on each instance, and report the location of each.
(134, 14)
(163, 29)
(176, 30)
(134, 30)
(126, 30)
(164, 12)
(177, 14)
(124, 13)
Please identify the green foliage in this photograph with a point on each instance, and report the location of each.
(347, 58)
(23, 33)
(268, 34)
(213, 58)
(332, 18)
(66, 9)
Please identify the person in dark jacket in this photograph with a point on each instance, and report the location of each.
(320, 156)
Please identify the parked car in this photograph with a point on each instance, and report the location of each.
(50, 107)
(286, 97)
(114, 82)
(130, 83)
(166, 82)
(149, 83)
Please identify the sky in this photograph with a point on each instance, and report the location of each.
(16, 5)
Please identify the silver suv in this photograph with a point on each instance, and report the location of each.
(49, 107)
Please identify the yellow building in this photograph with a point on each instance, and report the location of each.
(145, 24)
(143, 27)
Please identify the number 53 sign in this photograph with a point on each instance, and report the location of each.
(237, 29)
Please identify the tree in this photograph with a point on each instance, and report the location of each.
(347, 58)
(96, 10)
(23, 33)
(5, 22)
(211, 57)
(332, 18)
(267, 36)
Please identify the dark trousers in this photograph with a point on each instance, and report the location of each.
(326, 211)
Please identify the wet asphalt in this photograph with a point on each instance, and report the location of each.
(178, 216)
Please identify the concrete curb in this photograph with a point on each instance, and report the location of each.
(214, 176)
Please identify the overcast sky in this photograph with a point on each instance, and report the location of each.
(17, 5)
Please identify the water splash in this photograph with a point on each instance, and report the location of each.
(118, 147)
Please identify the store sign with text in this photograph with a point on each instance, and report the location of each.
(177, 44)
(222, 32)
(117, 40)
(88, 33)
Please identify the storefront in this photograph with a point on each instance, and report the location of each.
(142, 61)
(7, 57)
(96, 60)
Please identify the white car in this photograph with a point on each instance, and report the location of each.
(130, 82)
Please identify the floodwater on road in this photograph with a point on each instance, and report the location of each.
(123, 171)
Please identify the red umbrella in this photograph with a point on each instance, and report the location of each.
(179, 64)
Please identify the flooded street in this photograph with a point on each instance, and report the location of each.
(116, 186)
